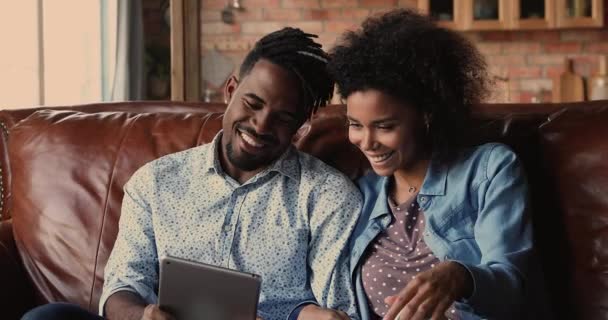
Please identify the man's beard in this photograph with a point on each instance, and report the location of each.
(246, 161)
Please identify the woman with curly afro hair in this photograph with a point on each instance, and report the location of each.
(444, 231)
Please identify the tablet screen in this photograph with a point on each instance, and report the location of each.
(191, 290)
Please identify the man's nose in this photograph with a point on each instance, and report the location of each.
(262, 122)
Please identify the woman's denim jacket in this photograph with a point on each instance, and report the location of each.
(476, 214)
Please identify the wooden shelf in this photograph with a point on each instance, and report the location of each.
(595, 19)
(457, 14)
(546, 22)
(501, 23)
(509, 14)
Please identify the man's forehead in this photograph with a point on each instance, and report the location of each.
(269, 81)
(265, 69)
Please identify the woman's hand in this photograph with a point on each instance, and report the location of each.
(314, 312)
(431, 293)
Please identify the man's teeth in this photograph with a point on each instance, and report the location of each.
(250, 140)
(381, 158)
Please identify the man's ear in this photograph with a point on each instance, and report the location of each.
(230, 88)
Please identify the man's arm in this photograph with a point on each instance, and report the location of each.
(335, 210)
(125, 305)
(131, 272)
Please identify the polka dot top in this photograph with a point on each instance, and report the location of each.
(396, 256)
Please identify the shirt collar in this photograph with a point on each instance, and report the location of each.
(287, 164)
(435, 179)
(211, 159)
(381, 205)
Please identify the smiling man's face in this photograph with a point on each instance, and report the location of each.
(263, 114)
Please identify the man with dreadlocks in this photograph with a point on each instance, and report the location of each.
(247, 201)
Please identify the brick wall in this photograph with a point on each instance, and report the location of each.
(528, 59)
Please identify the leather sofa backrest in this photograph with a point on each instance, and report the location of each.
(9, 118)
(575, 144)
(68, 169)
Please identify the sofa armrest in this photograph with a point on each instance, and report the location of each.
(16, 292)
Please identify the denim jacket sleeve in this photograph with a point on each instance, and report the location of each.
(504, 235)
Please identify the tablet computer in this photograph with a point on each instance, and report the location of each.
(191, 290)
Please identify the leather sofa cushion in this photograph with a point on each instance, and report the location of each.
(68, 170)
(575, 144)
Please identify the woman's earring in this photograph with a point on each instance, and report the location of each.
(427, 122)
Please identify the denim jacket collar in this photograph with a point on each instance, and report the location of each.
(434, 185)
(381, 205)
(435, 179)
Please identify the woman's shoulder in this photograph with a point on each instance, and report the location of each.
(481, 155)
(484, 160)
(486, 150)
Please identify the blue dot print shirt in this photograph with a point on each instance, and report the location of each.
(290, 224)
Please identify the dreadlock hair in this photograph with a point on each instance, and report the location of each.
(296, 51)
(407, 56)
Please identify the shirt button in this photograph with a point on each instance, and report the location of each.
(422, 199)
(227, 228)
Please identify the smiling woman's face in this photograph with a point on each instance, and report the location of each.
(387, 131)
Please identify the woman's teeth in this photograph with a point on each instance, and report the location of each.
(382, 157)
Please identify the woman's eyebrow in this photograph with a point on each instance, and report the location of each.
(384, 120)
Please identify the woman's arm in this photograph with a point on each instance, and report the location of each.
(494, 288)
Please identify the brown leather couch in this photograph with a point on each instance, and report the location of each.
(63, 170)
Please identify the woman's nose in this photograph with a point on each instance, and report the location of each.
(368, 141)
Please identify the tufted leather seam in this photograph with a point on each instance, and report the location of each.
(105, 207)
(206, 117)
